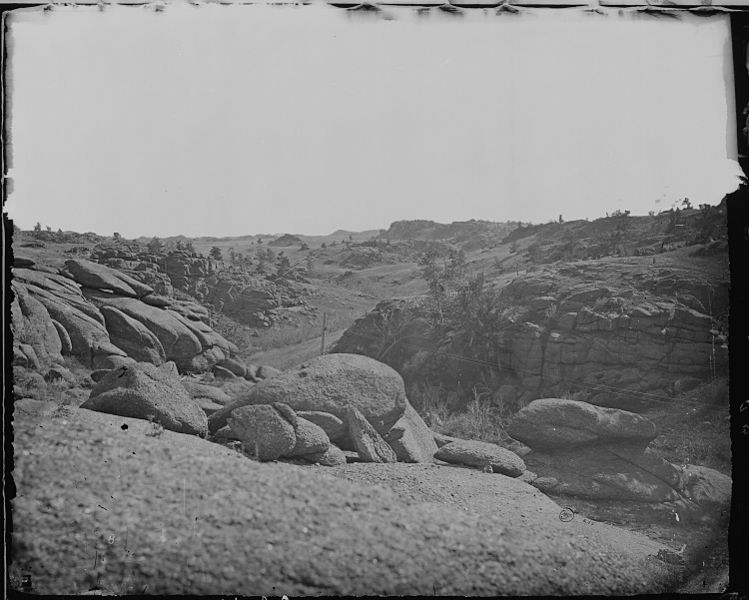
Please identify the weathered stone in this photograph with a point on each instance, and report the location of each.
(310, 439)
(332, 457)
(606, 472)
(133, 337)
(266, 372)
(557, 423)
(334, 427)
(411, 439)
(482, 454)
(369, 444)
(233, 365)
(32, 325)
(223, 373)
(264, 431)
(144, 391)
(209, 392)
(93, 275)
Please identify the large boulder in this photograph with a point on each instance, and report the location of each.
(411, 439)
(96, 276)
(331, 383)
(144, 391)
(133, 337)
(368, 443)
(265, 430)
(558, 423)
(482, 454)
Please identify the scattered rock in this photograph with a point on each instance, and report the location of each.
(334, 427)
(264, 430)
(233, 365)
(369, 444)
(144, 391)
(266, 372)
(310, 439)
(209, 392)
(99, 374)
(411, 439)
(332, 457)
(223, 373)
(481, 454)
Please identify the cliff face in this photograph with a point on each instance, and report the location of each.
(624, 341)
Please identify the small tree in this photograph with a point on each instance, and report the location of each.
(37, 229)
(215, 253)
(284, 265)
(117, 236)
(155, 246)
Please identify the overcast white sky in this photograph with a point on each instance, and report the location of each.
(229, 120)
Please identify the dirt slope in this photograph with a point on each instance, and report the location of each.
(112, 500)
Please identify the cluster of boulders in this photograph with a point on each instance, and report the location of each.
(106, 319)
(588, 451)
(314, 412)
(251, 298)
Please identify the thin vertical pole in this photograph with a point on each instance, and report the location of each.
(322, 341)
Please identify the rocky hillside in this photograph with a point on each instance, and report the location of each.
(615, 331)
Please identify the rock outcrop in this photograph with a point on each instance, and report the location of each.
(621, 345)
(144, 391)
(95, 314)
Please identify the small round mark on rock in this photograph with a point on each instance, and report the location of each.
(566, 514)
(123, 426)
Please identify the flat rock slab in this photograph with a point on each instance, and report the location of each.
(93, 275)
(481, 455)
(559, 423)
(195, 515)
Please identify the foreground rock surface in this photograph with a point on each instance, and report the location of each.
(304, 532)
(144, 391)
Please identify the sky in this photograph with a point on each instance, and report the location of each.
(231, 120)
